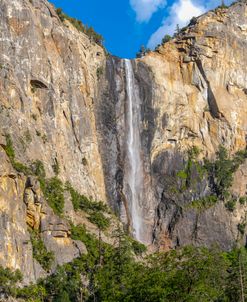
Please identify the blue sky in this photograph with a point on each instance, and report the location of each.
(128, 24)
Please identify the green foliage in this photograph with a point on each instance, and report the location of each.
(236, 283)
(177, 31)
(55, 167)
(204, 203)
(66, 283)
(142, 52)
(38, 169)
(221, 170)
(187, 274)
(53, 190)
(241, 228)
(19, 167)
(89, 31)
(32, 293)
(8, 281)
(40, 252)
(79, 232)
(223, 4)
(82, 202)
(9, 149)
(100, 220)
(231, 205)
(138, 248)
(243, 200)
(185, 175)
(166, 39)
(182, 174)
(193, 152)
(93, 208)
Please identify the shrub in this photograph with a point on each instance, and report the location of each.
(56, 167)
(38, 169)
(241, 228)
(138, 247)
(81, 202)
(9, 149)
(89, 31)
(32, 293)
(231, 205)
(100, 220)
(40, 252)
(222, 169)
(8, 281)
(166, 39)
(193, 21)
(186, 174)
(53, 191)
(182, 174)
(142, 52)
(223, 5)
(204, 203)
(79, 232)
(19, 167)
(243, 200)
(93, 208)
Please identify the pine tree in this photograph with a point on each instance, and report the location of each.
(223, 5)
(177, 29)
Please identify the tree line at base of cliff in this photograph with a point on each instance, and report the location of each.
(119, 274)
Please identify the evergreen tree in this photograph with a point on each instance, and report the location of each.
(177, 30)
(142, 52)
(166, 39)
(236, 281)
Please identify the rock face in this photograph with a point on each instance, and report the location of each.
(58, 107)
(48, 83)
(200, 100)
(48, 86)
(193, 94)
(114, 127)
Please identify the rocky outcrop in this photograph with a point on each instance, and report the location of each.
(23, 206)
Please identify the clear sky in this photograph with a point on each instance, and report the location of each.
(128, 24)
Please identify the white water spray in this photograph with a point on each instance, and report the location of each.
(134, 173)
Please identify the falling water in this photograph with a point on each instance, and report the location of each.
(134, 173)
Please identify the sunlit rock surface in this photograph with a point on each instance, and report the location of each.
(62, 100)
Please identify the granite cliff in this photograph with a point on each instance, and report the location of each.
(75, 114)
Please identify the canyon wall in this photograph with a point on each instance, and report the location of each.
(119, 131)
(48, 84)
(192, 91)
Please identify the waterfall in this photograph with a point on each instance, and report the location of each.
(134, 167)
